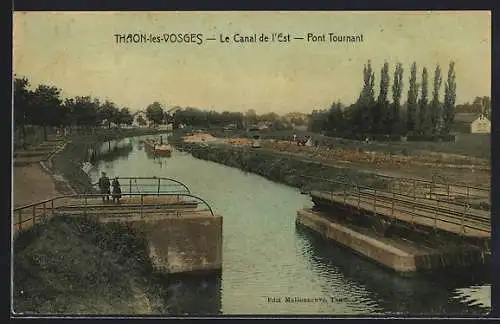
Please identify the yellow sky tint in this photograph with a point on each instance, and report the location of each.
(77, 52)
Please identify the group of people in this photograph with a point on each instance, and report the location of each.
(105, 188)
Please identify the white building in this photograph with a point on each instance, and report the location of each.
(481, 125)
(142, 114)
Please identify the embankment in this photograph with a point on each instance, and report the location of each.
(68, 162)
(277, 167)
(79, 266)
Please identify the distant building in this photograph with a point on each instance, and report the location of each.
(142, 114)
(471, 123)
(300, 128)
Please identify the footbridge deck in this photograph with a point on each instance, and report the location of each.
(444, 207)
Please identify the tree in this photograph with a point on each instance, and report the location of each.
(381, 108)
(424, 123)
(362, 119)
(47, 107)
(141, 121)
(335, 118)
(412, 100)
(449, 99)
(109, 113)
(436, 114)
(154, 112)
(22, 104)
(125, 117)
(250, 117)
(317, 122)
(397, 89)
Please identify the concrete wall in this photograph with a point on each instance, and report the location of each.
(391, 256)
(185, 243)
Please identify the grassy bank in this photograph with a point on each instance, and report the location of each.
(277, 167)
(68, 162)
(474, 145)
(80, 266)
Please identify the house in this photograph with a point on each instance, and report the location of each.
(137, 116)
(471, 123)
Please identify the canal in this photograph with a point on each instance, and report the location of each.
(266, 258)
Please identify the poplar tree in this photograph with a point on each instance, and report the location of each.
(423, 105)
(449, 99)
(397, 88)
(382, 106)
(436, 113)
(365, 101)
(411, 101)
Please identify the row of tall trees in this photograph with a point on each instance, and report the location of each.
(419, 115)
(45, 107)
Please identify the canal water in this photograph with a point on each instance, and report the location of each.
(266, 259)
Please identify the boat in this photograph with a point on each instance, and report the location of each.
(157, 149)
(162, 150)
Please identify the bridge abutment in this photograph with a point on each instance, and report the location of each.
(187, 243)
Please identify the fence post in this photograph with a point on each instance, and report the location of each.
(393, 202)
(34, 214)
(20, 219)
(85, 206)
(142, 203)
(449, 195)
(44, 212)
(374, 201)
(52, 207)
(159, 186)
(130, 186)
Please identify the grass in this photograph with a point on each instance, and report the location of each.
(75, 265)
(475, 145)
(283, 169)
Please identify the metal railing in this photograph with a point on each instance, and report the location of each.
(159, 184)
(43, 210)
(409, 204)
(437, 188)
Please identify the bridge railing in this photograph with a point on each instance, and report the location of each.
(436, 189)
(25, 216)
(391, 202)
(150, 185)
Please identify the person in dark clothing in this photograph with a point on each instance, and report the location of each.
(104, 186)
(117, 190)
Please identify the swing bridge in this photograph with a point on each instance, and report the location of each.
(141, 196)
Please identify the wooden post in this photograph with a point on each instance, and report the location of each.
(34, 214)
(159, 186)
(142, 204)
(44, 212)
(20, 219)
(130, 186)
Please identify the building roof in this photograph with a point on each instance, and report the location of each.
(465, 117)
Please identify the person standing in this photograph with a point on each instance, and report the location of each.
(104, 186)
(117, 190)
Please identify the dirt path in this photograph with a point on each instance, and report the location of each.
(32, 184)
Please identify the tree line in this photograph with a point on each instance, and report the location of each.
(422, 114)
(44, 107)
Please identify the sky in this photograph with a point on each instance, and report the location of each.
(78, 52)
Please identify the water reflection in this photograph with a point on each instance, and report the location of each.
(420, 294)
(193, 295)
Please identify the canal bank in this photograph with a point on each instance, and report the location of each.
(68, 163)
(299, 173)
(405, 256)
(71, 265)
